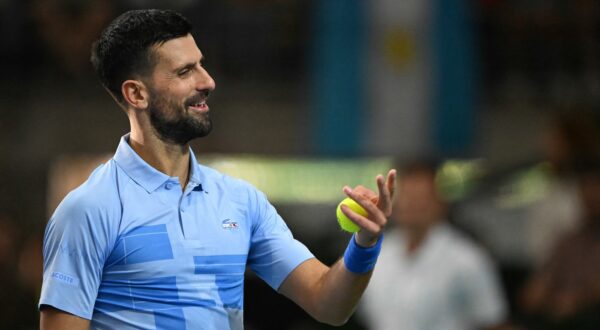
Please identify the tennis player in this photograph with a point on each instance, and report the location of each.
(154, 240)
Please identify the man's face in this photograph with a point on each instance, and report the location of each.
(418, 203)
(178, 89)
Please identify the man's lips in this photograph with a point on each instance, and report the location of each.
(201, 106)
(197, 103)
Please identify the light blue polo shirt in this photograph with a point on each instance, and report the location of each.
(129, 249)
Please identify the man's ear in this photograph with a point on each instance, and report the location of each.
(135, 94)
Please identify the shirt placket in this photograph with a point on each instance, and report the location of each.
(187, 216)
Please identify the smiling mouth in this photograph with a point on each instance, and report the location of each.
(198, 102)
(199, 106)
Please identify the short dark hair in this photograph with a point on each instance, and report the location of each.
(123, 50)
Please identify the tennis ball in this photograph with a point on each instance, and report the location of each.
(345, 223)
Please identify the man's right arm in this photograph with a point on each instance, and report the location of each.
(52, 318)
(77, 242)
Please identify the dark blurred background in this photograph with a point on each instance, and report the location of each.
(505, 93)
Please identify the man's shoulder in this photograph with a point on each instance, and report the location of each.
(224, 180)
(466, 251)
(99, 191)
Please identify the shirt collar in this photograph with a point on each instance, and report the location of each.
(145, 175)
(195, 173)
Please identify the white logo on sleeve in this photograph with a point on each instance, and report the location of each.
(67, 279)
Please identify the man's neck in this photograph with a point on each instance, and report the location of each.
(414, 239)
(416, 236)
(171, 159)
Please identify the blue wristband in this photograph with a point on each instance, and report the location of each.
(359, 259)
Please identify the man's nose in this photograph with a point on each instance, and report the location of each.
(204, 80)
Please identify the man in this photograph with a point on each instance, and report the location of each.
(564, 293)
(430, 276)
(154, 240)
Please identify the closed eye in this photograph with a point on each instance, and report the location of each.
(184, 72)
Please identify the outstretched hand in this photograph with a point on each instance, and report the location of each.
(378, 207)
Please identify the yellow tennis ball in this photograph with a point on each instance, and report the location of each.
(345, 223)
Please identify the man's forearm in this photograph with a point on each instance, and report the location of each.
(341, 291)
(328, 294)
(331, 294)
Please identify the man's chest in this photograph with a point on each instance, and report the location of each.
(170, 235)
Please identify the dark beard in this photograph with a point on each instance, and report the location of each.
(179, 130)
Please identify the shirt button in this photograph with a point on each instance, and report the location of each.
(169, 186)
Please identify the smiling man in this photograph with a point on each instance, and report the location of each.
(154, 240)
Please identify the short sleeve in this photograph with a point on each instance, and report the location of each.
(485, 303)
(76, 244)
(274, 252)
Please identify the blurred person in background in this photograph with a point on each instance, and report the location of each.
(567, 138)
(565, 292)
(430, 276)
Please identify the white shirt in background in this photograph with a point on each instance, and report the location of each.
(448, 283)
